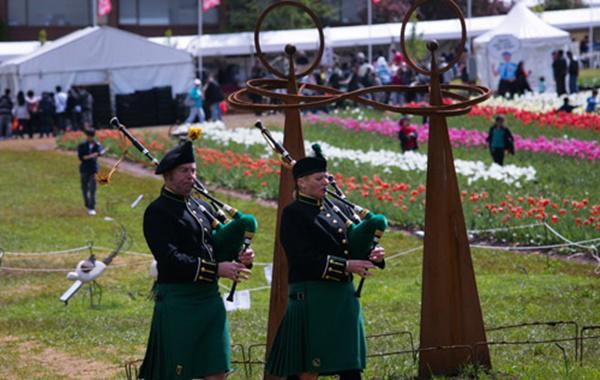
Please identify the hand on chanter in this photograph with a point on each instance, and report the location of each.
(233, 271)
(359, 267)
(247, 257)
(377, 254)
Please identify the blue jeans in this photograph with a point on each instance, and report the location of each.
(573, 85)
(6, 126)
(88, 188)
(196, 111)
(215, 111)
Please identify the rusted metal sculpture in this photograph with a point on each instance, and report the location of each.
(450, 310)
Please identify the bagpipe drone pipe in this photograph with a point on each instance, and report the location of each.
(232, 230)
(365, 228)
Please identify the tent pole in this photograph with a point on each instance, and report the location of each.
(469, 48)
(369, 22)
(94, 12)
(199, 45)
(591, 31)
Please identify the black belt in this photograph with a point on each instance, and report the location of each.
(298, 296)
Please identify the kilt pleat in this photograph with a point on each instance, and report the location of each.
(322, 331)
(189, 335)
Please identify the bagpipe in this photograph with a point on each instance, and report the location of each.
(232, 230)
(364, 227)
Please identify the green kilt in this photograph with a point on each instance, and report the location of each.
(189, 336)
(322, 331)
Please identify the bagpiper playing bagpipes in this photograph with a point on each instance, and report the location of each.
(326, 241)
(194, 245)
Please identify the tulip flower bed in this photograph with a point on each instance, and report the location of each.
(467, 138)
(541, 103)
(389, 182)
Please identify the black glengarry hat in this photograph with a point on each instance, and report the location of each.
(181, 154)
(310, 165)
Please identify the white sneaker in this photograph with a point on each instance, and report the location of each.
(181, 130)
(91, 212)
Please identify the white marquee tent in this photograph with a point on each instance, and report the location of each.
(528, 38)
(100, 55)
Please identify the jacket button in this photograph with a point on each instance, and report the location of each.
(340, 230)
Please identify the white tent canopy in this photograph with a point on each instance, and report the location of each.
(211, 45)
(528, 38)
(11, 50)
(99, 55)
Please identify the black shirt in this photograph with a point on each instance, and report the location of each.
(178, 234)
(90, 165)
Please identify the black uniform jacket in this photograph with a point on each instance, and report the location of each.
(315, 241)
(179, 236)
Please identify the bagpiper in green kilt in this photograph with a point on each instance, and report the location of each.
(322, 331)
(189, 336)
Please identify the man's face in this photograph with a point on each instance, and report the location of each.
(506, 57)
(499, 122)
(181, 178)
(314, 185)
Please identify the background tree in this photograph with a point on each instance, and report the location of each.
(242, 15)
(394, 10)
(551, 5)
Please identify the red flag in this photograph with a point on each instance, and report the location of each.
(104, 7)
(209, 4)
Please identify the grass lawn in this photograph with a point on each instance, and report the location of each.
(41, 210)
(589, 77)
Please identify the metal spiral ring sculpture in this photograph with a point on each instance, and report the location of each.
(267, 88)
(450, 309)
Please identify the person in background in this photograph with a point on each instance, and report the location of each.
(499, 140)
(88, 153)
(195, 97)
(591, 102)
(559, 68)
(584, 47)
(407, 135)
(33, 106)
(60, 105)
(542, 85)
(507, 71)
(213, 94)
(573, 73)
(566, 107)
(521, 82)
(87, 108)
(47, 112)
(74, 109)
(6, 111)
(21, 113)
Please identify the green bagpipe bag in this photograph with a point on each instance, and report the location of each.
(362, 237)
(189, 336)
(229, 238)
(322, 331)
